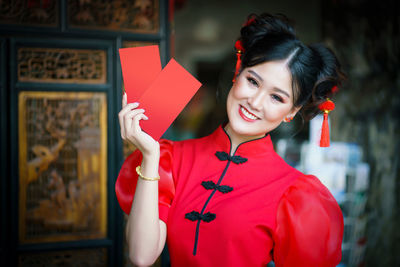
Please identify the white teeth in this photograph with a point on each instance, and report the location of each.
(247, 114)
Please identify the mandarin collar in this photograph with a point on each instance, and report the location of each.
(249, 148)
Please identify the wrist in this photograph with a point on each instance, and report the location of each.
(149, 166)
(152, 157)
(142, 176)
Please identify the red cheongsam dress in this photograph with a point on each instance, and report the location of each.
(241, 210)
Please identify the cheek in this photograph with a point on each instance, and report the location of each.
(229, 100)
(238, 91)
(276, 112)
(234, 95)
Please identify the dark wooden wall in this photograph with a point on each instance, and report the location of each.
(87, 34)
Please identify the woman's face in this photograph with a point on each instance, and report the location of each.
(260, 99)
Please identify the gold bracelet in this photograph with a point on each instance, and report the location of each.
(144, 177)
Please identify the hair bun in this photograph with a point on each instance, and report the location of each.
(260, 26)
(329, 76)
(314, 69)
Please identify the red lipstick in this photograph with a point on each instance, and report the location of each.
(243, 115)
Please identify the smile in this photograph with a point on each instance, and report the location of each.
(247, 115)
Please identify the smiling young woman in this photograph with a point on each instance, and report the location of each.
(228, 199)
(259, 101)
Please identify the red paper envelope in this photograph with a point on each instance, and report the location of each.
(166, 97)
(140, 67)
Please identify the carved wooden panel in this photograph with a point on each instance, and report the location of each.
(77, 258)
(118, 15)
(29, 12)
(136, 43)
(63, 166)
(57, 65)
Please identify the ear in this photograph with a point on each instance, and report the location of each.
(291, 114)
(294, 111)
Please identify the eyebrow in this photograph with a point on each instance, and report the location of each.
(281, 91)
(255, 74)
(275, 88)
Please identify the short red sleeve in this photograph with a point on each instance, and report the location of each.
(127, 179)
(309, 227)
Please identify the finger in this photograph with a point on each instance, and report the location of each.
(121, 117)
(135, 132)
(132, 113)
(128, 108)
(121, 127)
(124, 100)
(128, 117)
(135, 122)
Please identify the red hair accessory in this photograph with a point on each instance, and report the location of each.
(239, 51)
(239, 46)
(250, 21)
(326, 107)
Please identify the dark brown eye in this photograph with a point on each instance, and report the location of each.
(252, 81)
(277, 98)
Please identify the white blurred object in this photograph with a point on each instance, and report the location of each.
(340, 169)
(361, 182)
(315, 129)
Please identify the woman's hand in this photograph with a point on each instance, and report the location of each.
(129, 118)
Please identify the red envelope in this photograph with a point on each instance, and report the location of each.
(140, 67)
(166, 98)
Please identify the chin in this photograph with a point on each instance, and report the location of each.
(245, 130)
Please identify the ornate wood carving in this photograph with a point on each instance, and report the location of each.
(29, 12)
(136, 43)
(119, 15)
(63, 166)
(61, 65)
(83, 257)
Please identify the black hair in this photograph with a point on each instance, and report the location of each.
(315, 69)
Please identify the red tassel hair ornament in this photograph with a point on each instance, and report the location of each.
(326, 107)
(239, 51)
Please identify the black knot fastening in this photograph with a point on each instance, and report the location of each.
(195, 216)
(221, 188)
(221, 155)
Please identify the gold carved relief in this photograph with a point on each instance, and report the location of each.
(136, 43)
(119, 15)
(61, 65)
(63, 166)
(32, 12)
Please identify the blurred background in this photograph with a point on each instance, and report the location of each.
(61, 88)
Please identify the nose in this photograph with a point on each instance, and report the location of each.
(256, 100)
